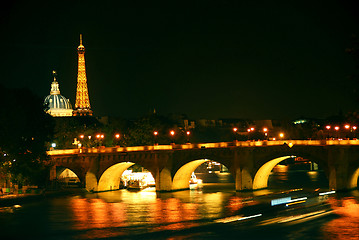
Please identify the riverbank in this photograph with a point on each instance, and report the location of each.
(18, 199)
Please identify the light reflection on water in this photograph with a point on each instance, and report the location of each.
(347, 225)
(123, 213)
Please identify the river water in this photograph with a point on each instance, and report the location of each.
(204, 212)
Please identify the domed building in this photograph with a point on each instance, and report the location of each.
(55, 104)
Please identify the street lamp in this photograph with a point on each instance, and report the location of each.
(328, 128)
(100, 137)
(172, 135)
(235, 133)
(354, 128)
(281, 135)
(117, 136)
(155, 133)
(337, 129)
(265, 130)
(188, 133)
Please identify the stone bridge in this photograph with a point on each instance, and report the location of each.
(100, 169)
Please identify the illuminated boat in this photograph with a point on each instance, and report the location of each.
(136, 185)
(194, 179)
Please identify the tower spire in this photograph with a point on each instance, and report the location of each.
(82, 104)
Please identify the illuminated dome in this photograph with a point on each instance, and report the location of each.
(55, 104)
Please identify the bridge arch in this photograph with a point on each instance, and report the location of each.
(64, 173)
(261, 175)
(353, 181)
(110, 179)
(183, 175)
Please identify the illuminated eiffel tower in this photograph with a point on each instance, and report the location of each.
(82, 104)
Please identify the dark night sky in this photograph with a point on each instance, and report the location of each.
(240, 59)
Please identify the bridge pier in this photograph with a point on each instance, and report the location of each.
(163, 180)
(244, 181)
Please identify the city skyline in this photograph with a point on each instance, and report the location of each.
(230, 60)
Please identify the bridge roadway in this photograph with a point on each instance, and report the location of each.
(250, 162)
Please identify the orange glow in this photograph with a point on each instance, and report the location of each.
(252, 128)
(347, 126)
(155, 133)
(117, 136)
(328, 127)
(102, 136)
(235, 129)
(82, 136)
(98, 136)
(248, 130)
(354, 127)
(281, 135)
(188, 133)
(336, 128)
(172, 133)
(265, 129)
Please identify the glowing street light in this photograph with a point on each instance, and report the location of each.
(337, 129)
(155, 133)
(235, 133)
(347, 126)
(82, 136)
(188, 133)
(117, 137)
(172, 135)
(328, 127)
(281, 135)
(265, 130)
(354, 128)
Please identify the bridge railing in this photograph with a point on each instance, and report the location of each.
(290, 143)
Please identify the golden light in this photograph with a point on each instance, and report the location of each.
(235, 129)
(172, 132)
(188, 133)
(155, 133)
(347, 126)
(89, 137)
(336, 128)
(248, 130)
(354, 127)
(98, 136)
(328, 127)
(82, 136)
(252, 128)
(117, 136)
(265, 129)
(102, 136)
(281, 135)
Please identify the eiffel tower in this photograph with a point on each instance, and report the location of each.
(82, 104)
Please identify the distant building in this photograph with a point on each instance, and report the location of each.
(55, 104)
